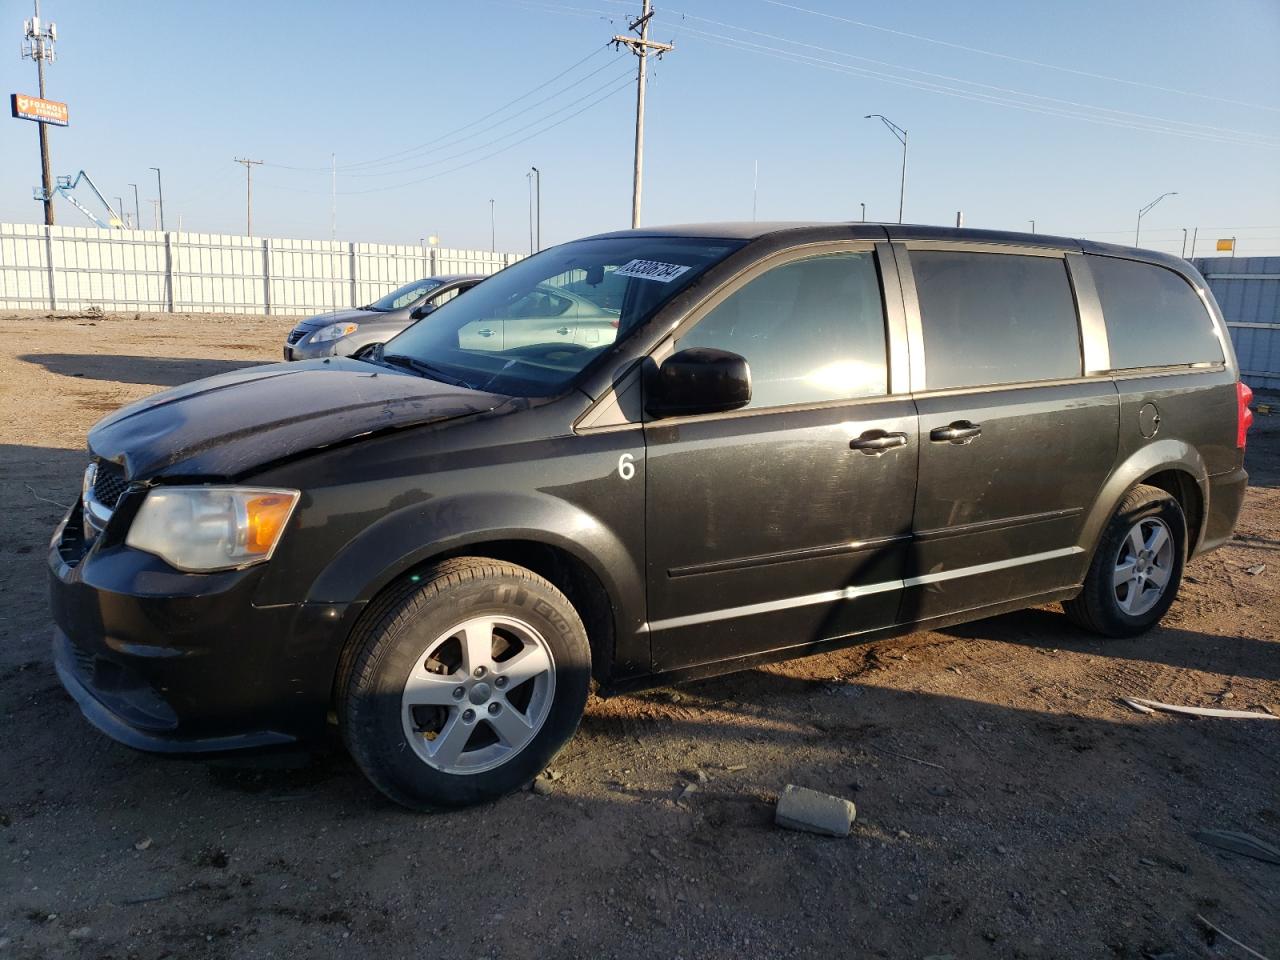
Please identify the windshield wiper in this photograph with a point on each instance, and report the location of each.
(425, 369)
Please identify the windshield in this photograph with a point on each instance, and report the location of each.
(404, 296)
(531, 329)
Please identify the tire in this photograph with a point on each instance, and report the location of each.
(1122, 594)
(432, 717)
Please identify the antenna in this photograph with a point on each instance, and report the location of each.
(37, 45)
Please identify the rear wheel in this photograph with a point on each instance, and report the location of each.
(464, 683)
(1137, 568)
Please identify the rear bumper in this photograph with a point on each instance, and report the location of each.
(182, 663)
(1226, 495)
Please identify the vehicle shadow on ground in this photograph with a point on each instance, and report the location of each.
(1170, 646)
(156, 371)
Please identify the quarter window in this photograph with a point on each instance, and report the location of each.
(811, 330)
(993, 318)
(1154, 318)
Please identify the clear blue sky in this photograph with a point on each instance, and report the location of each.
(189, 86)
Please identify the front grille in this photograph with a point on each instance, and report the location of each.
(296, 335)
(109, 484)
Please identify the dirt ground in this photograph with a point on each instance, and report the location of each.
(1008, 805)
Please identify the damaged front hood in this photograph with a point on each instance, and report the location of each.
(229, 424)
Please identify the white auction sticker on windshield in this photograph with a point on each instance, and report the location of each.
(650, 270)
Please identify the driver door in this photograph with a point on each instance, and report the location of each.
(786, 523)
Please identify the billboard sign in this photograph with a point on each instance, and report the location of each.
(41, 111)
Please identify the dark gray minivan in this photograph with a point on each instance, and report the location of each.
(782, 439)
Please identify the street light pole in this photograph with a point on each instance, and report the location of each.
(160, 194)
(537, 192)
(137, 208)
(1145, 210)
(901, 136)
(864, 212)
(1033, 225)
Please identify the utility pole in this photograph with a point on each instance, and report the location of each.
(493, 237)
(1147, 209)
(901, 136)
(640, 46)
(137, 208)
(160, 194)
(333, 197)
(537, 192)
(248, 171)
(40, 38)
(155, 212)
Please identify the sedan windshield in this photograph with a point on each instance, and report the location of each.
(533, 328)
(404, 296)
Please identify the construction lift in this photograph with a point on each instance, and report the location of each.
(66, 187)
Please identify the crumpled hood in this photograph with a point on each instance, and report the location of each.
(229, 424)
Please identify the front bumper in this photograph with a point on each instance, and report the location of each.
(180, 663)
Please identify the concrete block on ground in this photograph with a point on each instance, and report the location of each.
(800, 808)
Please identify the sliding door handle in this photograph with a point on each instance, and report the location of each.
(961, 431)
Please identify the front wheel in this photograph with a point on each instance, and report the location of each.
(1137, 568)
(463, 683)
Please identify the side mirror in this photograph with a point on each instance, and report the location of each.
(417, 313)
(699, 380)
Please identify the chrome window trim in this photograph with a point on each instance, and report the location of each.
(1095, 344)
(969, 246)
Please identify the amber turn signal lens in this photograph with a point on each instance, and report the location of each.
(267, 517)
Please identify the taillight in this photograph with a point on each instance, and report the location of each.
(1244, 416)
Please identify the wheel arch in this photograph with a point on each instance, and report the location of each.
(1171, 465)
(560, 542)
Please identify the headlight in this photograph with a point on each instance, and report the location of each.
(211, 528)
(333, 331)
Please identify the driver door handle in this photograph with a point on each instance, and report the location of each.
(486, 332)
(875, 442)
(961, 431)
(563, 331)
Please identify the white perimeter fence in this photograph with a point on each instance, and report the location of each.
(73, 268)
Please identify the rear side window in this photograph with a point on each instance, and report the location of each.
(811, 330)
(993, 318)
(1154, 317)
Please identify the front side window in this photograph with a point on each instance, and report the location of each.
(533, 328)
(404, 296)
(1154, 318)
(991, 318)
(811, 330)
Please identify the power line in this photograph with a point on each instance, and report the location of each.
(364, 172)
(1023, 60)
(390, 157)
(1062, 112)
(614, 91)
(1262, 138)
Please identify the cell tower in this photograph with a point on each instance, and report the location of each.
(37, 44)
